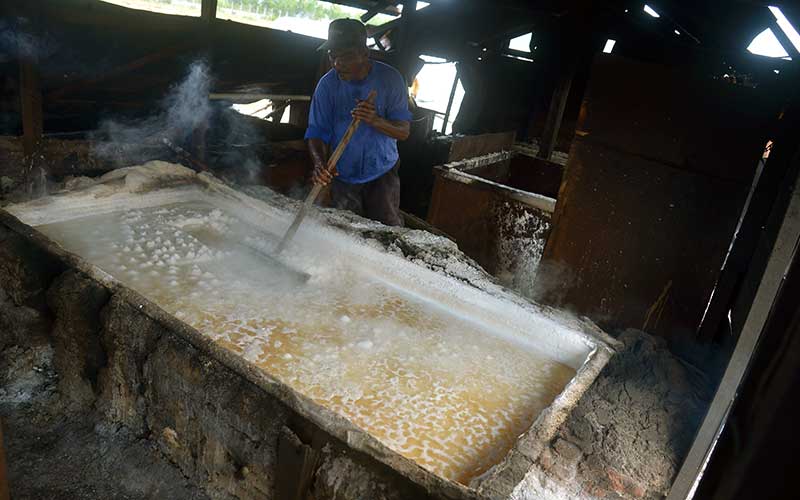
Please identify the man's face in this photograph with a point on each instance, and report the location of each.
(350, 64)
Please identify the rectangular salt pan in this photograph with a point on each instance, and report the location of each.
(447, 390)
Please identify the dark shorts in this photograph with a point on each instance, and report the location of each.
(378, 199)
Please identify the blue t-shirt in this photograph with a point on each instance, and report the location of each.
(370, 153)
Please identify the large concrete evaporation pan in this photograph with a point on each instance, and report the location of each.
(445, 383)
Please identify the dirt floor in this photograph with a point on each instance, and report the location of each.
(627, 436)
(44, 446)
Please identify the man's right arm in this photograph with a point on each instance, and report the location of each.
(320, 152)
(320, 132)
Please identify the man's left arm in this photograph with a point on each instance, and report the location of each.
(397, 122)
(396, 129)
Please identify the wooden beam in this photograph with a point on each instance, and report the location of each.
(784, 40)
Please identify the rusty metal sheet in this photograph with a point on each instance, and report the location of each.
(418, 157)
(636, 243)
(491, 223)
(535, 175)
(469, 146)
(656, 179)
(464, 212)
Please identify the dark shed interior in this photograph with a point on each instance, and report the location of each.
(636, 166)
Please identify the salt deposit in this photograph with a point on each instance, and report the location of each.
(433, 386)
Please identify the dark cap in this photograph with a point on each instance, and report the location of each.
(345, 34)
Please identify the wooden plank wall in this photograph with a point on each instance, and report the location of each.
(657, 176)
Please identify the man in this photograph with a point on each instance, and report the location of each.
(365, 180)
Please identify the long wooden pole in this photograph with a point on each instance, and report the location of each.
(312, 196)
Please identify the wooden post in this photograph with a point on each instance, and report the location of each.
(450, 101)
(297, 464)
(555, 114)
(31, 105)
(208, 10)
(30, 92)
(404, 47)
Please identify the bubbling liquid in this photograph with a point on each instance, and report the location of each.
(434, 387)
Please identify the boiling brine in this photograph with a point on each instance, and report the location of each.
(432, 386)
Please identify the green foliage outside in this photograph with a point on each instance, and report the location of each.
(273, 9)
(311, 9)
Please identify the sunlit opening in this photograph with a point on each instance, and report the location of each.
(767, 44)
(521, 43)
(649, 10)
(432, 87)
(185, 8)
(264, 109)
(609, 46)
